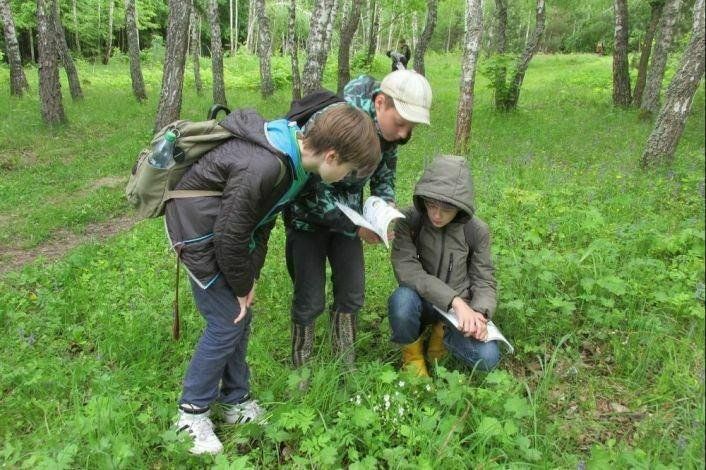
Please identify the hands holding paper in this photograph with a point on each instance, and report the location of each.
(470, 322)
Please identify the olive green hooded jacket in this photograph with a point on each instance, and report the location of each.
(443, 263)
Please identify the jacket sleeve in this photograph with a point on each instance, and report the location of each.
(408, 268)
(382, 182)
(262, 237)
(244, 197)
(480, 268)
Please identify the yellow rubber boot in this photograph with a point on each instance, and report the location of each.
(413, 358)
(436, 349)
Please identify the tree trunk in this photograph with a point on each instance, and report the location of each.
(18, 80)
(471, 46)
(169, 105)
(264, 49)
(31, 45)
(230, 23)
(315, 46)
(372, 34)
(74, 12)
(219, 88)
(655, 73)
(63, 49)
(679, 96)
(196, 49)
(133, 43)
(252, 24)
(348, 28)
(500, 87)
(513, 92)
(109, 39)
(621, 71)
(415, 26)
(646, 51)
(329, 32)
(293, 47)
(424, 39)
(48, 69)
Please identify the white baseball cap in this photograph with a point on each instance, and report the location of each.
(411, 93)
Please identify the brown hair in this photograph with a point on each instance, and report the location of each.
(349, 132)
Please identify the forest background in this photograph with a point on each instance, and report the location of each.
(599, 252)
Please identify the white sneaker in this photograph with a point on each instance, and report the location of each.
(243, 412)
(200, 428)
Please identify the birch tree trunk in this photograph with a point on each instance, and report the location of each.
(621, 71)
(74, 12)
(348, 28)
(264, 49)
(219, 88)
(512, 96)
(252, 24)
(63, 50)
(655, 74)
(230, 23)
(315, 46)
(293, 47)
(656, 7)
(169, 105)
(424, 39)
(18, 79)
(196, 49)
(679, 97)
(329, 31)
(133, 44)
(48, 67)
(469, 64)
(109, 39)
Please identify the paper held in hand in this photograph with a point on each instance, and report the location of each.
(377, 215)
(494, 333)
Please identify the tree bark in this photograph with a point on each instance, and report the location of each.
(252, 23)
(656, 6)
(63, 50)
(133, 44)
(316, 47)
(264, 49)
(48, 69)
(348, 28)
(196, 49)
(500, 88)
(655, 73)
(372, 34)
(109, 38)
(621, 71)
(18, 79)
(512, 96)
(74, 12)
(169, 105)
(668, 129)
(219, 88)
(329, 31)
(424, 39)
(469, 64)
(230, 23)
(293, 47)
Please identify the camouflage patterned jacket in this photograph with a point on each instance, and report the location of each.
(315, 207)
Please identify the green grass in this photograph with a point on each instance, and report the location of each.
(600, 267)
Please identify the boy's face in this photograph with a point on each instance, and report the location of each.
(393, 127)
(332, 169)
(439, 213)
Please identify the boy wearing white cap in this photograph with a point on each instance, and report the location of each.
(318, 231)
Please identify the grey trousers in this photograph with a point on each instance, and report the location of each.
(218, 370)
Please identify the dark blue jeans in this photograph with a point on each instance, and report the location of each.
(409, 314)
(219, 358)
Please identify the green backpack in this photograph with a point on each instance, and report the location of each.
(149, 188)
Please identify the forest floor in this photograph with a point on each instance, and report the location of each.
(600, 266)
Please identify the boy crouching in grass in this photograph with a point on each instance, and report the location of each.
(441, 257)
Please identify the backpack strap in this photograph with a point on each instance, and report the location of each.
(186, 193)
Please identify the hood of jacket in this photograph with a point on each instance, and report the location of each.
(447, 179)
(247, 124)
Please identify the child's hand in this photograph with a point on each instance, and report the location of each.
(368, 236)
(470, 322)
(244, 303)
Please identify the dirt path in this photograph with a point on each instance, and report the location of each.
(62, 241)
